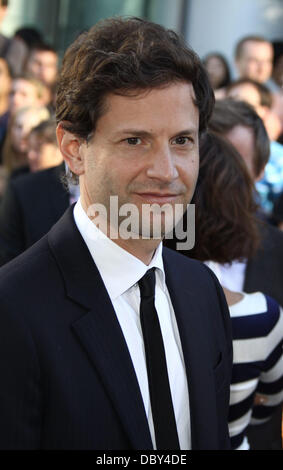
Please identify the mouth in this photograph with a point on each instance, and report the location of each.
(157, 198)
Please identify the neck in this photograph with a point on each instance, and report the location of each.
(141, 248)
(232, 297)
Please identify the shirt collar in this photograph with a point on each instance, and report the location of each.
(119, 269)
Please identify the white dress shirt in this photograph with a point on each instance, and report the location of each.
(120, 272)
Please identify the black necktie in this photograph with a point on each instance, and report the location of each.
(160, 396)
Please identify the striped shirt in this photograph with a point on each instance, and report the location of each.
(257, 328)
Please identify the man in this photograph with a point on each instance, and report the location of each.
(254, 58)
(241, 125)
(42, 64)
(93, 355)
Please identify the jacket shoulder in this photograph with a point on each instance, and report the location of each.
(26, 269)
(187, 264)
(31, 183)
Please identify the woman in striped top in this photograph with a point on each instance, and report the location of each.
(226, 230)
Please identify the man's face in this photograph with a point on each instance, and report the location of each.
(43, 66)
(256, 61)
(144, 150)
(242, 138)
(23, 93)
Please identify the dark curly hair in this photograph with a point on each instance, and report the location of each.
(124, 56)
(226, 227)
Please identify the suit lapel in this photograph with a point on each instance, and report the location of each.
(100, 335)
(98, 330)
(194, 335)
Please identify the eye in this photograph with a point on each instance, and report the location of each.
(182, 140)
(133, 140)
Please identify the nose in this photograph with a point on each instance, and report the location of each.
(162, 165)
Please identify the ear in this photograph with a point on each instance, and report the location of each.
(70, 147)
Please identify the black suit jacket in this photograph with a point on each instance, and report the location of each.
(67, 379)
(31, 204)
(264, 272)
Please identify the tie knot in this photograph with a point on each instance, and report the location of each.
(147, 284)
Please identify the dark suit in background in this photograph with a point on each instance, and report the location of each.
(264, 272)
(67, 379)
(31, 205)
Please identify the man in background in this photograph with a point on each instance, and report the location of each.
(254, 58)
(42, 64)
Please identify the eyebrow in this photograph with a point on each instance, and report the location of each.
(142, 133)
(187, 131)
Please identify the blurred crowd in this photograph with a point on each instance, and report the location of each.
(28, 73)
(259, 66)
(248, 114)
(28, 145)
